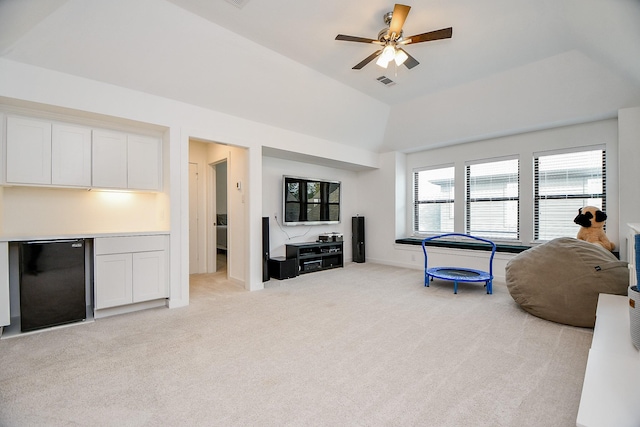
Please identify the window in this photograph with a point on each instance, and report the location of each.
(433, 200)
(492, 201)
(563, 184)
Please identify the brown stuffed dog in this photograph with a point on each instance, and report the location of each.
(591, 221)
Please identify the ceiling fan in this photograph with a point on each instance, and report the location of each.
(392, 40)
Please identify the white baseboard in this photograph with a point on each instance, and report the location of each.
(129, 308)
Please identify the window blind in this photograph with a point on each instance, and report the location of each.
(433, 200)
(492, 199)
(564, 183)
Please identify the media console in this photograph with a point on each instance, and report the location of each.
(315, 256)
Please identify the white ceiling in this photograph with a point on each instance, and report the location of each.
(511, 65)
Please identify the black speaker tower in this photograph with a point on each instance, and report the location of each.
(265, 248)
(357, 238)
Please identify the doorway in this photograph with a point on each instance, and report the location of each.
(208, 232)
(218, 204)
(195, 224)
(221, 169)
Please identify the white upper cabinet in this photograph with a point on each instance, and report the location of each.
(50, 153)
(128, 161)
(144, 162)
(71, 155)
(28, 151)
(109, 159)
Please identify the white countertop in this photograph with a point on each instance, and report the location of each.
(23, 238)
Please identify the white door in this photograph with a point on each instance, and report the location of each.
(193, 218)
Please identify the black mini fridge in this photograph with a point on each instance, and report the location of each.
(52, 283)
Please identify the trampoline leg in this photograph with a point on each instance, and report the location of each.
(426, 280)
(489, 287)
(455, 286)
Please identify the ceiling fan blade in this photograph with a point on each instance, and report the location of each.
(400, 12)
(366, 60)
(355, 39)
(410, 62)
(444, 33)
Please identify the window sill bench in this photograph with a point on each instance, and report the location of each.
(514, 249)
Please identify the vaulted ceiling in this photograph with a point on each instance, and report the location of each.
(511, 66)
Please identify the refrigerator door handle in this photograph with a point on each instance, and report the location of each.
(38, 242)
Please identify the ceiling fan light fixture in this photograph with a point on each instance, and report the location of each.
(388, 53)
(382, 61)
(392, 37)
(400, 57)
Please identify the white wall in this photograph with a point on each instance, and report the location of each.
(35, 87)
(272, 191)
(48, 212)
(378, 192)
(524, 146)
(629, 171)
(390, 203)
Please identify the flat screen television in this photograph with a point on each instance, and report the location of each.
(310, 201)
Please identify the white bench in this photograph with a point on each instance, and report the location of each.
(611, 388)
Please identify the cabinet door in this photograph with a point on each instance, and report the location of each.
(71, 155)
(109, 159)
(144, 160)
(5, 309)
(631, 253)
(28, 151)
(148, 276)
(113, 280)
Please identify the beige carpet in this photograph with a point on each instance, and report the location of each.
(366, 345)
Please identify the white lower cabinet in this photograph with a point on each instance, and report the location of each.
(114, 280)
(129, 270)
(148, 276)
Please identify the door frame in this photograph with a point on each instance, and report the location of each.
(212, 242)
(194, 255)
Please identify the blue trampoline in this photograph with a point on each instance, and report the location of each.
(459, 274)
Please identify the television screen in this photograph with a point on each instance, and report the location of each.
(311, 201)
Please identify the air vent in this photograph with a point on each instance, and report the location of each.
(386, 81)
(238, 3)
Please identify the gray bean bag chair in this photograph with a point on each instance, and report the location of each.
(560, 280)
